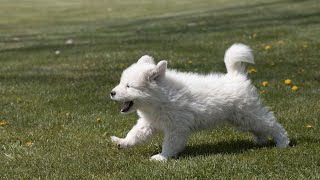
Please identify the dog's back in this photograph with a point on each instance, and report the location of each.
(214, 97)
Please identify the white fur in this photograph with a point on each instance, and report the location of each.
(182, 103)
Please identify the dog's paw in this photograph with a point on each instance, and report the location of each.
(119, 142)
(158, 157)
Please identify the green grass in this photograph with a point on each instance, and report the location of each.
(60, 115)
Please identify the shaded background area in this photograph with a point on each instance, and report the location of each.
(59, 60)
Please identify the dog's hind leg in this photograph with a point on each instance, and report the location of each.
(262, 123)
(137, 135)
(276, 131)
(261, 138)
(279, 135)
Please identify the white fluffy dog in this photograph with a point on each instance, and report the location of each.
(180, 103)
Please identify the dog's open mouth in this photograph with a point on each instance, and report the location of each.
(126, 106)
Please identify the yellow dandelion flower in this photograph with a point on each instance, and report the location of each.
(252, 70)
(29, 143)
(295, 88)
(309, 126)
(305, 46)
(267, 47)
(190, 62)
(3, 123)
(287, 81)
(264, 83)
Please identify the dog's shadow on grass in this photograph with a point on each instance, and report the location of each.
(224, 147)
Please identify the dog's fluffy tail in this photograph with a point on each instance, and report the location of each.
(236, 54)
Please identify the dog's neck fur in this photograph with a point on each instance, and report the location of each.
(171, 92)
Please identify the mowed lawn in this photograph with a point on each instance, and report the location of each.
(60, 59)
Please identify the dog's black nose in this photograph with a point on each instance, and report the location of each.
(112, 93)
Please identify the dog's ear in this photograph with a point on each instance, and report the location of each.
(146, 59)
(159, 70)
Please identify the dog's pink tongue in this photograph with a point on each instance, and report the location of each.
(126, 106)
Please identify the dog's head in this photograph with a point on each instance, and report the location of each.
(137, 83)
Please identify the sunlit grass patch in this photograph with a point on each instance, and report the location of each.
(59, 60)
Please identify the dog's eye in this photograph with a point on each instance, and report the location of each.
(128, 86)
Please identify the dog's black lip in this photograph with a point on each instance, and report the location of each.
(126, 106)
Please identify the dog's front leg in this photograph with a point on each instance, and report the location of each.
(174, 142)
(137, 135)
